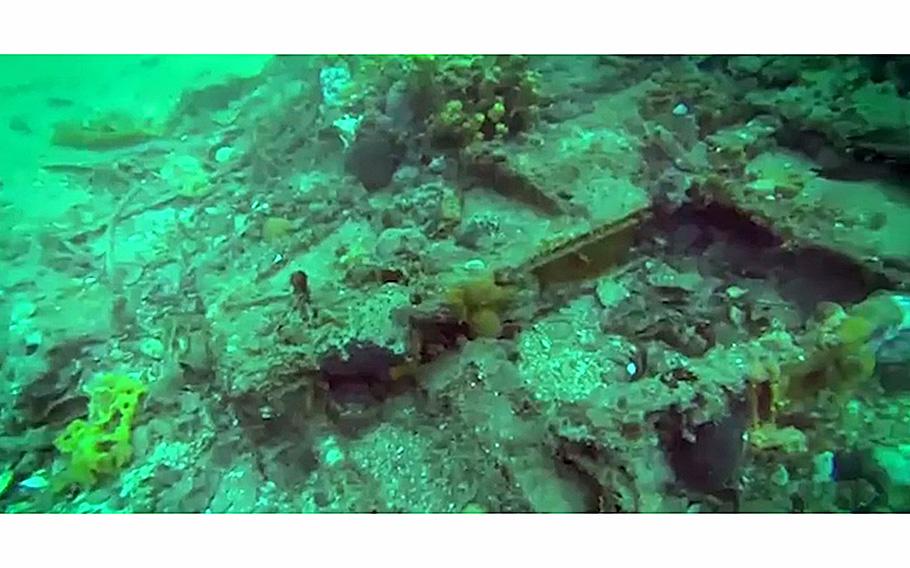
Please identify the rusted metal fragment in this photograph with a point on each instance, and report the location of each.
(582, 254)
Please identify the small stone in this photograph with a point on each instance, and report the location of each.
(241, 223)
(680, 110)
(347, 128)
(333, 456)
(610, 293)
(763, 184)
(788, 440)
(406, 175)
(823, 467)
(151, 347)
(735, 292)
(895, 461)
(903, 303)
(437, 165)
(116, 354)
(224, 154)
(894, 465)
(33, 341)
(36, 481)
(23, 310)
(332, 453)
(737, 315)
(475, 265)
(780, 477)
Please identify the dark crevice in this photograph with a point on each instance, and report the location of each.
(737, 245)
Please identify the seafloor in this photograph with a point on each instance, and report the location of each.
(454, 284)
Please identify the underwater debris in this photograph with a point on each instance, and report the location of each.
(708, 457)
(105, 132)
(364, 365)
(583, 254)
(884, 468)
(435, 334)
(358, 380)
(892, 362)
(374, 158)
(546, 316)
(300, 285)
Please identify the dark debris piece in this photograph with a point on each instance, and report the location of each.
(373, 159)
(855, 469)
(364, 374)
(708, 460)
(437, 333)
(300, 285)
(893, 364)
